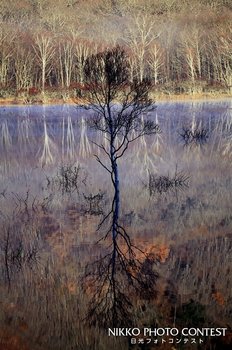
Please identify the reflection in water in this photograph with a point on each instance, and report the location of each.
(157, 144)
(6, 140)
(48, 233)
(24, 132)
(48, 148)
(85, 149)
(70, 140)
(19, 248)
(122, 271)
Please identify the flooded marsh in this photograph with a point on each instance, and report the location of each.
(55, 208)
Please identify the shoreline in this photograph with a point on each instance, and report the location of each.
(14, 101)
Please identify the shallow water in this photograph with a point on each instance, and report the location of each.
(49, 226)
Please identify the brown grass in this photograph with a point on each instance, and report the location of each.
(162, 97)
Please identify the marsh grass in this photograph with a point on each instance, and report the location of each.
(191, 232)
(95, 203)
(68, 179)
(194, 136)
(164, 184)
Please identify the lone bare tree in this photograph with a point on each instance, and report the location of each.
(120, 109)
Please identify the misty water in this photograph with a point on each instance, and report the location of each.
(49, 226)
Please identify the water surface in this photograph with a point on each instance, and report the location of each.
(49, 226)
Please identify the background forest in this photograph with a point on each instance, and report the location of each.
(184, 46)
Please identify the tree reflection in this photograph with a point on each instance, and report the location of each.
(121, 273)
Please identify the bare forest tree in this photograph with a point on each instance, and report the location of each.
(226, 51)
(156, 61)
(44, 51)
(7, 37)
(66, 60)
(191, 44)
(141, 34)
(82, 51)
(169, 42)
(23, 67)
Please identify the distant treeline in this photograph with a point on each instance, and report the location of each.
(45, 44)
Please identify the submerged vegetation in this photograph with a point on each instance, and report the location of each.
(67, 179)
(164, 184)
(194, 136)
(62, 280)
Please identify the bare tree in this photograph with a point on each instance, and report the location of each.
(226, 51)
(23, 66)
(191, 44)
(107, 83)
(66, 60)
(44, 51)
(81, 52)
(156, 61)
(141, 34)
(119, 107)
(7, 37)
